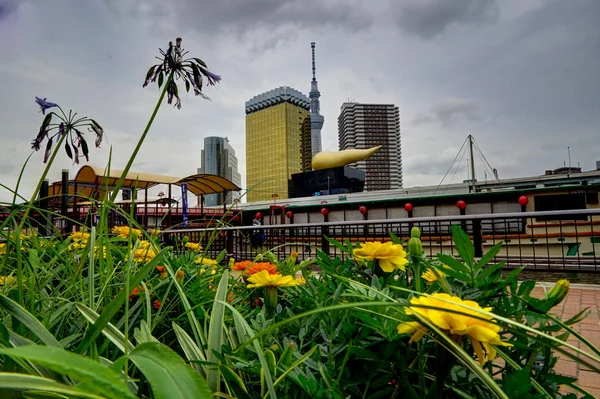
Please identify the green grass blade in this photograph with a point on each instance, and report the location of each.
(168, 374)
(215, 333)
(113, 307)
(259, 352)
(110, 331)
(29, 321)
(28, 382)
(42, 395)
(190, 349)
(91, 376)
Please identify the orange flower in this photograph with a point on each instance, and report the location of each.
(156, 304)
(163, 272)
(241, 266)
(260, 266)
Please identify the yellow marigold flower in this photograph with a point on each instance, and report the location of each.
(205, 261)
(79, 236)
(430, 276)
(2, 248)
(260, 266)
(143, 254)
(264, 279)
(154, 232)
(481, 332)
(193, 246)
(391, 256)
(8, 280)
(293, 256)
(241, 265)
(125, 232)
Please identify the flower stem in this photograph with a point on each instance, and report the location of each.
(270, 300)
(141, 140)
(41, 180)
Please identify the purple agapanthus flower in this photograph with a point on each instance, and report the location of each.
(70, 126)
(44, 105)
(174, 66)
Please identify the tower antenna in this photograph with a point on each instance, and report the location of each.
(314, 69)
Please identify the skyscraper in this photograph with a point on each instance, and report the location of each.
(369, 125)
(316, 119)
(218, 158)
(277, 141)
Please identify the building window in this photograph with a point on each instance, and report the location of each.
(560, 202)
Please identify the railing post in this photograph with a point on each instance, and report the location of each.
(229, 242)
(324, 242)
(477, 238)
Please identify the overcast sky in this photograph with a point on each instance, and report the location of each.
(520, 76)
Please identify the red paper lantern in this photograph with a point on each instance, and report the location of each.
(289, 214)
(523, 200)
(324, 211)
(362, 209)
(408, 207)
(461, 204)
(258, 215)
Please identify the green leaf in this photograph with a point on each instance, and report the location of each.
(489, 271)
(168, 374)
(517, 384)
(463, 244)
(187, 85)
(215, 333)
(90, 375)
(234, 383)
(29, 321)
(261, 356)
(143, 334)
(29, 382)
(161, 78)
(190, 349)
(489, 255)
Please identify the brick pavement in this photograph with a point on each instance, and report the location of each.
(580, 296)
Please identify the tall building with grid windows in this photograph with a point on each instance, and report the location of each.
(363, 126)
(278, 142)
(218, 158)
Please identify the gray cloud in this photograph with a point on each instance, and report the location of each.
(451, 111)
(525, 86)
(241, 17)
(429, 18)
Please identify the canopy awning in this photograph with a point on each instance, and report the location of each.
(90, 179)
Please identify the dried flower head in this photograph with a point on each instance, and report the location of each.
(192, 71)
(71, 126)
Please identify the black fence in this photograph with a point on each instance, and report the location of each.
(544, 241)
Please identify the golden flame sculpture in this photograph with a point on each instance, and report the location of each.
(327, 160)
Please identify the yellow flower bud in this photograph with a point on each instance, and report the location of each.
(179, 276)
(558, 292)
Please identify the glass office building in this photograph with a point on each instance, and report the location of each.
(218, 158)
(277, 142)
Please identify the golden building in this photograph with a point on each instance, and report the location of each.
(277, 142)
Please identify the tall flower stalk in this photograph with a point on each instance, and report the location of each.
(61, 128)
(174, 67)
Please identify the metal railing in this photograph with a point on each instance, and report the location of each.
(544, 241)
